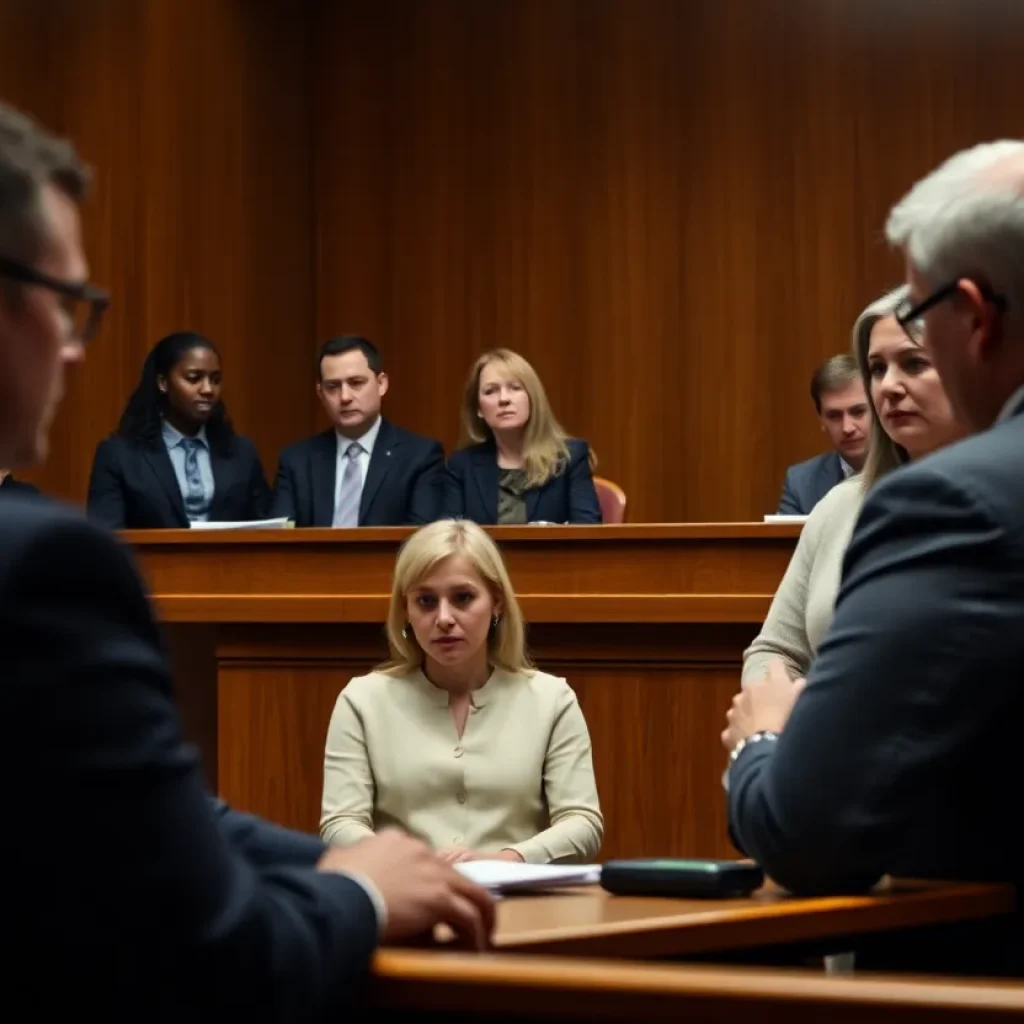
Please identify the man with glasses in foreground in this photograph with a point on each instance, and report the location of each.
(902, 754)
(127, 891)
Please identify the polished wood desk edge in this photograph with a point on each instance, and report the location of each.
(908, 904)
(546, 608)
(581, 976)
(627, 532)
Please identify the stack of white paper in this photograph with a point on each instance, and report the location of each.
(503, 876)
(785, 519)
(252, 524)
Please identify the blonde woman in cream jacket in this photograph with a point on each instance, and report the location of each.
(459, 740)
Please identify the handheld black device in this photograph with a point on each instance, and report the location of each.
(686, 879)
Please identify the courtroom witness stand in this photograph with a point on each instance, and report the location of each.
(176, 458)
(910, 417)
(516, 464)
(155, 903)
(841, 403)
(364, 471)
(458, 738)
(900, 754)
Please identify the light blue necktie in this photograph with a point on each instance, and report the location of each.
(346, 513)
(195, 499)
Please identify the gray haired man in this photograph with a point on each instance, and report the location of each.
(901, 756)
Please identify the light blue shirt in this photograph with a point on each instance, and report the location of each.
(173, 439)
(366, 444)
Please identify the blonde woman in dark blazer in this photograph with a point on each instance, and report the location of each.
(516, 463)
(910, 417)
(458, 739)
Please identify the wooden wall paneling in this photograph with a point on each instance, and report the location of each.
(673, 209)
(276, 691)
(195, 117)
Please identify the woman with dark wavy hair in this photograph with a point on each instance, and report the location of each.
(175, 458)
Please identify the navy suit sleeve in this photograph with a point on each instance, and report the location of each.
(105, 502)
(142, 858)
(283, 504)
(911, 673)
(425, 496)
(259, 493)
(583, 504)
(453, 490)
(789, 503)
(264, 844)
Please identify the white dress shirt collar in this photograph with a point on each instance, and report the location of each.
(366, 442)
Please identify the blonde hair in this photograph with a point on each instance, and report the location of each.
(884, 454)
(418, 557)
(545, 448)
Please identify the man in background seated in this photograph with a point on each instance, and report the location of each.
(902, 754)
(131, 893)
(9, 486)
(838, 394)
(363, 471)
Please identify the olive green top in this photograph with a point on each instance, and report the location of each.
(511, 499)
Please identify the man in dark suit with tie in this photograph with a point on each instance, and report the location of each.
(128, 892)
(838, 394)
(902, 755)
(364, 471)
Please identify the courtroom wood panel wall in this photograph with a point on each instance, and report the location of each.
(674, 209)
(194, 115)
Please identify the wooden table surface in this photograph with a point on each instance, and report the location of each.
(496, 987)
(590, 922)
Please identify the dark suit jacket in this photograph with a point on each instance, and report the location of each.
(471, 488)
(808, 482)
(266, 845)
(903, 754)
(133, 486)
(125, 889)
(402, 485)
(10, 487)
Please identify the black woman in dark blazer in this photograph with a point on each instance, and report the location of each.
(516, 463)
(175, 457)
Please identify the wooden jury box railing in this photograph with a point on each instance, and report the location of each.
(648, 624)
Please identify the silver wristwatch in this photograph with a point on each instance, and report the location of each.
(754, 737)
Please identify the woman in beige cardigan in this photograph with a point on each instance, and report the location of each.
(910, 417)
(458, 739)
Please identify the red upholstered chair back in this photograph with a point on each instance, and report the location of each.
(612, 499)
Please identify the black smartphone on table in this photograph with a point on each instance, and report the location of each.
(682, 879)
